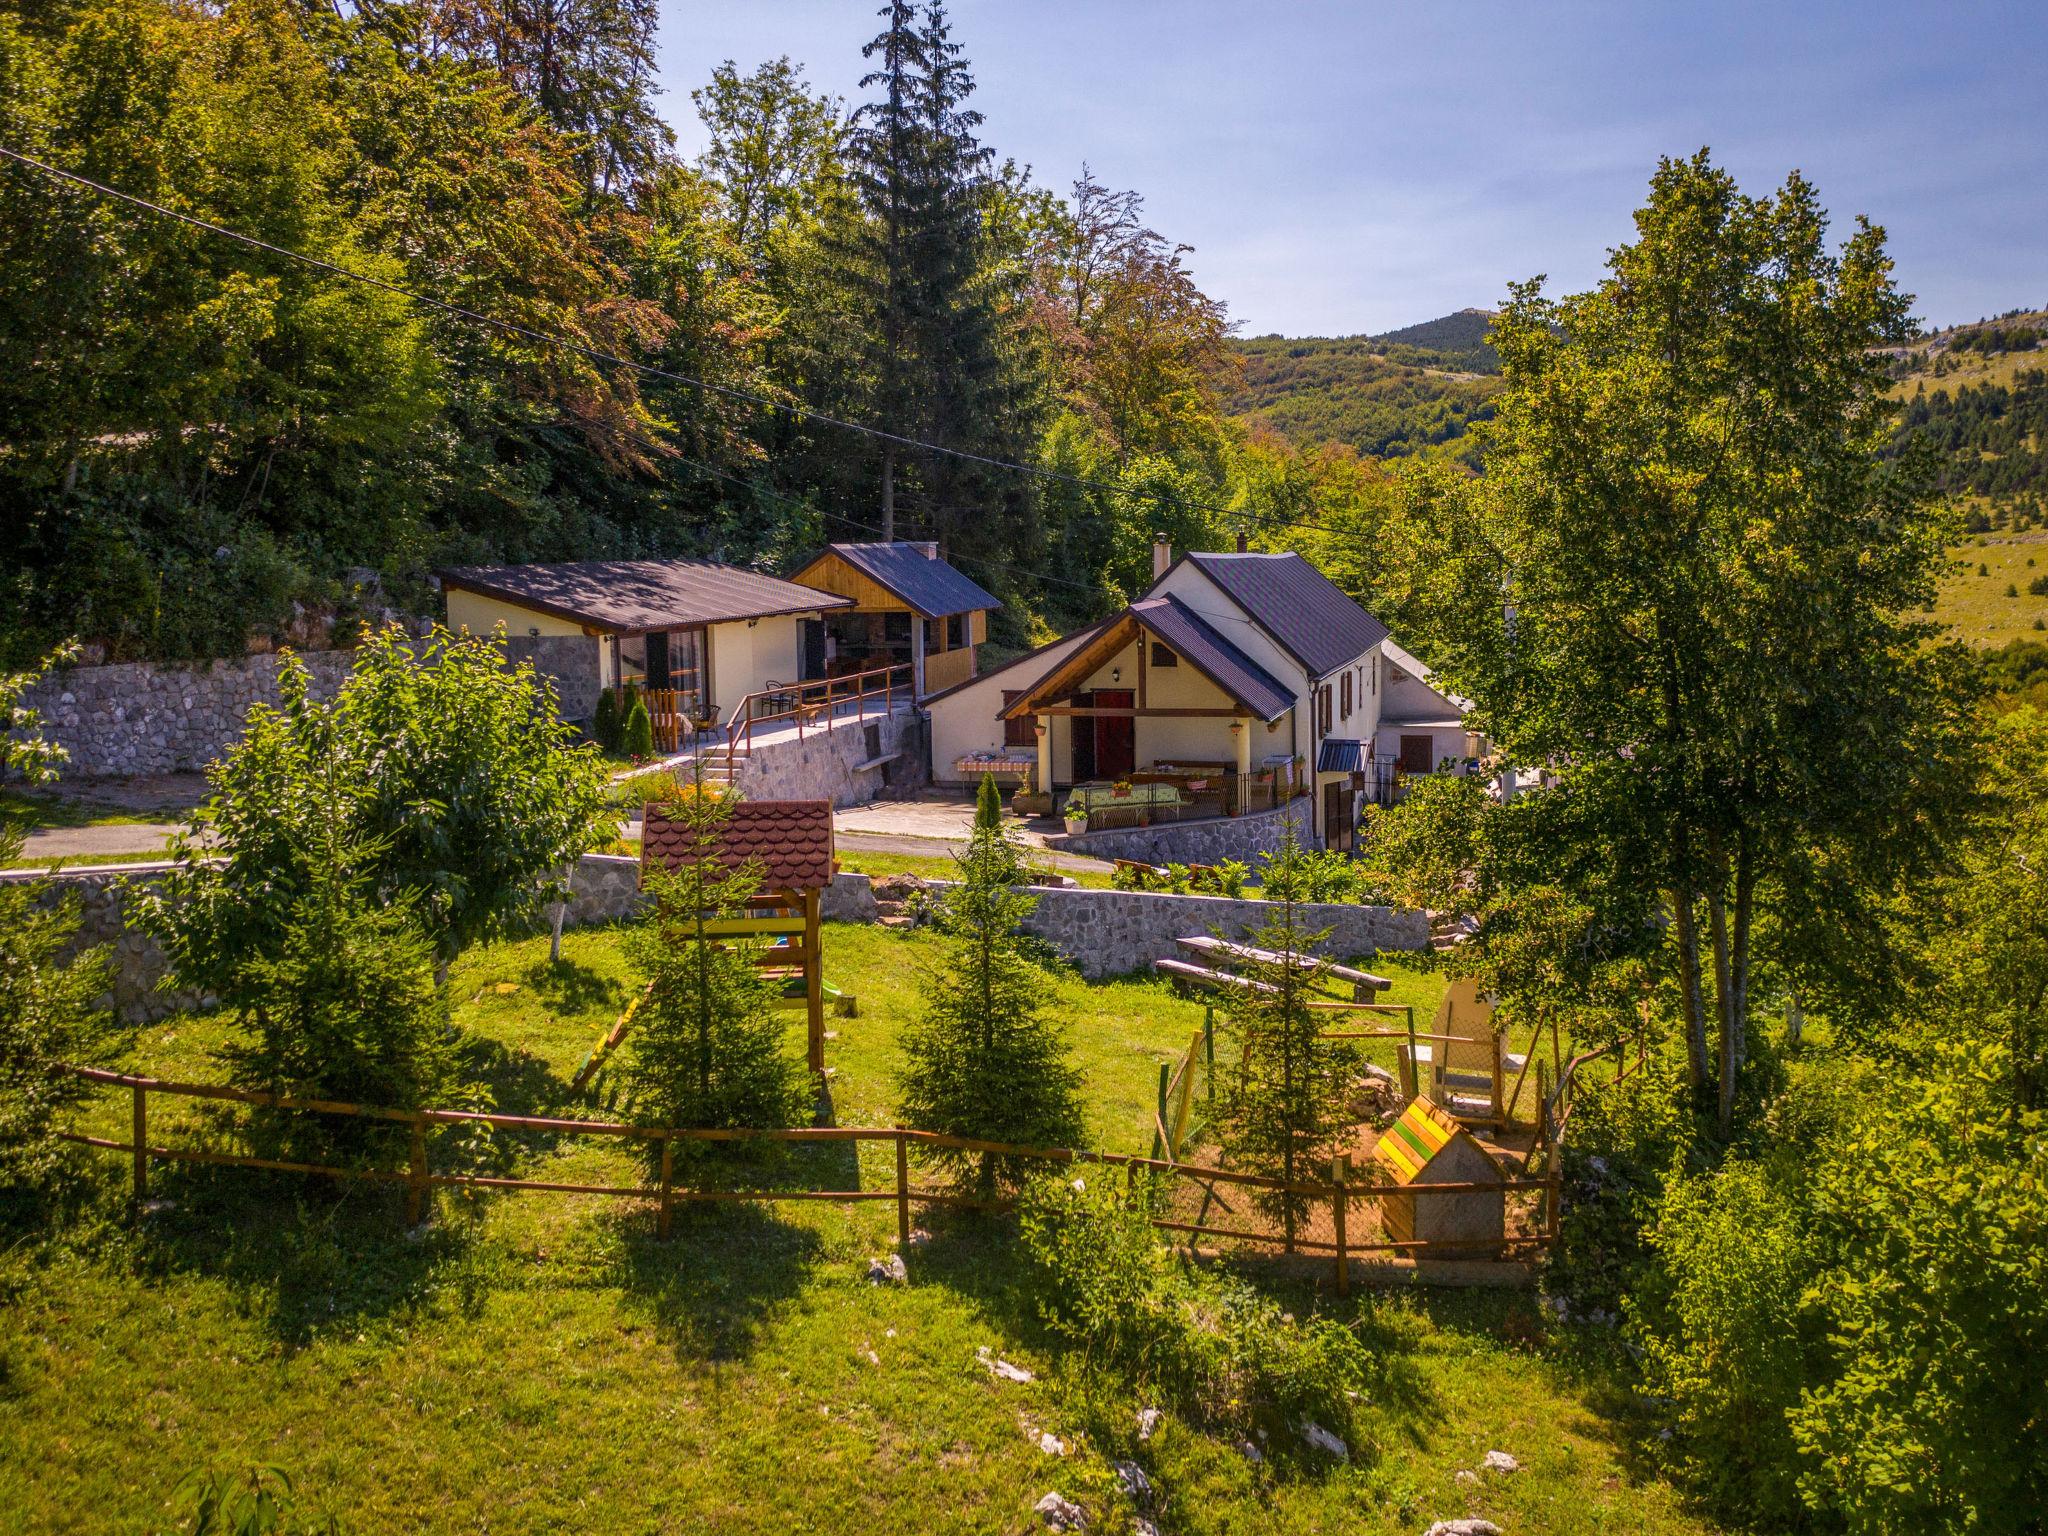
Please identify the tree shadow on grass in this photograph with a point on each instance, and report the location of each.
(570, 987)
(303, 1256)
(717, 1278)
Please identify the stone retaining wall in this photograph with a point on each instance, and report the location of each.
(143, 718)
(1108, 933)
(824, 764)
(1208, 841)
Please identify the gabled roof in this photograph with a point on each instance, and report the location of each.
(1189, 636)
(1301, 608)
(914, 573)
(791, 840)
(1408, 663)
(634, 597)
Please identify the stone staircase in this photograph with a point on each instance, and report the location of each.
(1447, 931)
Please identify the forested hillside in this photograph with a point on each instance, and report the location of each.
(209, 445)
(1978, 394)
(1411, 391)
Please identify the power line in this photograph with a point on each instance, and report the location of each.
(547, 338)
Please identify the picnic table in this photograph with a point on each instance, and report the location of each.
(1364, 984)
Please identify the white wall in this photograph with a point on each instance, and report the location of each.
(965, 721)
(746, 659)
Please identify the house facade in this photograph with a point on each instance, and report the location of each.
(695, 636)
(1246, 681)
(907, 608)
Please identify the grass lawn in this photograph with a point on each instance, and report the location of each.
(941, 866)
(541, 1363)
(1977, 606)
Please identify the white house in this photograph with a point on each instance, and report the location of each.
(1249, 680)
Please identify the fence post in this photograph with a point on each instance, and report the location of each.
(902, 1193)
(1340, 1174)
(668, 1174)
(1159, 1125)
(141, 1139)
(416, 1180)
(1209, 1046)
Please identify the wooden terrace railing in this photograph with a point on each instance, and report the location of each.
(666, 1193)
(813, 703)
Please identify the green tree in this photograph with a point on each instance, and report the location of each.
(984, 1059)
(1282, 1098)
(50, 1014)
(776, 150)
(636, 734)
(707, 1049)
(1689, 581)
(1424, 850)
(439, 777)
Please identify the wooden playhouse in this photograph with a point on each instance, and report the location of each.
(1427, 1146)
(790, 843)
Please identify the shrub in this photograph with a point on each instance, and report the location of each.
(1230, 876)
(606, 724)
(1299, 874)
(1226, 1356)
(1728, 1347)
(1626, 1140)
(636, 736)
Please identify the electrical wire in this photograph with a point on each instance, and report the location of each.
(547, 338)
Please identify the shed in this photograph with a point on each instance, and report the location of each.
(1427, 1146)
(908, 607)
(790, 842)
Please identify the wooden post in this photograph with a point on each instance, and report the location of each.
(141, 1139)
(1340, 1173)
(1209, 1047)
(814, 978)
(902, 1193)
(1159, 1128)
(668, 1174)
(416, 1182)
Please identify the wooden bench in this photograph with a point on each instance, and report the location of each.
(1364, 984)
(1202, 976)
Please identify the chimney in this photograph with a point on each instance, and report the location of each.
(1162, 557)
(1242, 542)
(931, 549)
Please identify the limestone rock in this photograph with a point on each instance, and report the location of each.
(1131, 1478)
(1000, 1368)
(1061, 1514)
(1463, 1528)
(1501, 1462)
(1148, 1422)
(889, 1271)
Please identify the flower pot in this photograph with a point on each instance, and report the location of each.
(1077, 824)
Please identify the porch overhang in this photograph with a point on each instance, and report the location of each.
(1253, 691)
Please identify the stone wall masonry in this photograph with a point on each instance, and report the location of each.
(825, 764)
(105, 900)
(1208, 841)
(1110, 933)
(142, 718)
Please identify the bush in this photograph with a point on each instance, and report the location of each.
(1729, 1347)
(607, 727)
(1224, 1355)
(1303, 874)
(636, 736)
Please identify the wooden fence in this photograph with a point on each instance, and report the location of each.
(1339, 1194)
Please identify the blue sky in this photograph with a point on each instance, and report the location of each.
(1345, 168)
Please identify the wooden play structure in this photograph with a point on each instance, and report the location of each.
(1465, 1064)
(790, 843)
(1427, 1146)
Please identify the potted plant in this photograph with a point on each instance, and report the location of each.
(1121, 789)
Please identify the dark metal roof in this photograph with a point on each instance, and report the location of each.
(790, 841)
(631, 597)
(916, 575)
(1300, 607)
(1188, 633)
(1339, 754)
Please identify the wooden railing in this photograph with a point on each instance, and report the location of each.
(814, 703)
(666, 1193)
(944, 669)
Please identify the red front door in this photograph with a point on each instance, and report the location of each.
(1116, 736)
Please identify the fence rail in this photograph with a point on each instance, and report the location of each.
(1339, 1193)
(816, 702)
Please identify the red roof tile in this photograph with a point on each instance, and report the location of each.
(790, 839)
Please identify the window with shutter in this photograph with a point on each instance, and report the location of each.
(1019, 732)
